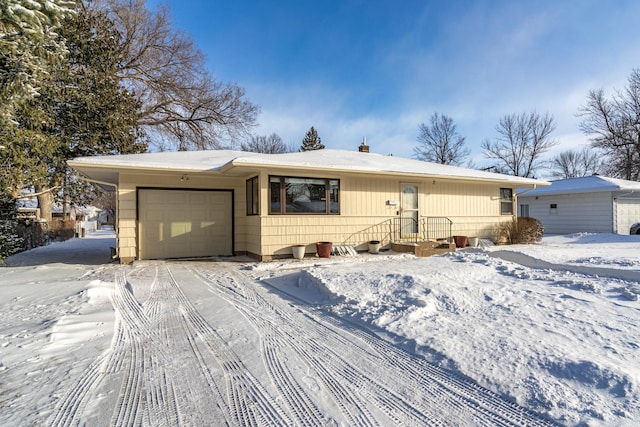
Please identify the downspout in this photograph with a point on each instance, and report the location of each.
(518, 195)
(526, 191)
(117, 213)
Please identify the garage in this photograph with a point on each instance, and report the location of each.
(184, 223)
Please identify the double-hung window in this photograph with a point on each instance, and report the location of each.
(506, 201)
(296, 195)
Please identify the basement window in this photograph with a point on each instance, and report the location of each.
(294, 195)
(506, 201)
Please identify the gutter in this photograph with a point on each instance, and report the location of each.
(515, 199)
(97, 181)
(115, 255)
(526, 191)
(625, 194)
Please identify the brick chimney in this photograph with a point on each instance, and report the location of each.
(363, 148)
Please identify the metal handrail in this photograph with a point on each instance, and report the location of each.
(400, 229)
(406, 229)
(437, 228)
(382, 232)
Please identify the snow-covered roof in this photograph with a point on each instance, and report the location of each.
(587, 184)
(225, 161)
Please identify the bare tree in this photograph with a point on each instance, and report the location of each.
(166, 72)
(439, 142)
(614, 126)
(271, 144)
(522, 141)
(576, 164)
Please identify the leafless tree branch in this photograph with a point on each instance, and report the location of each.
(521, 142)
(166, 73)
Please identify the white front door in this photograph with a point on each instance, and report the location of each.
(409, 210)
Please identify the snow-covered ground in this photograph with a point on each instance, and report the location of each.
(552, 327)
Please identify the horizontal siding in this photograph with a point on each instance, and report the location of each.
(127, 203)
(126, 220)
(473, 208)
(364, 205)
(127, 232)
(577, 213)
(127, 253)
(248, 234)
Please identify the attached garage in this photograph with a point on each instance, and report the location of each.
(225, 203)
(177, 223)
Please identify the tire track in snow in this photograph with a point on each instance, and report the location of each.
(492, 407)
(154, 389)
(342, 380)
(251, 404)
(460, 397)
(175, 369)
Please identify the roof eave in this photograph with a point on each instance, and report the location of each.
(516, 181)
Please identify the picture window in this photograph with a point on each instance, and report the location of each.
(297, 195)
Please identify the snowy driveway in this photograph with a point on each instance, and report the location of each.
(204, 344)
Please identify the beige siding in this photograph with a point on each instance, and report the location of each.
(127, 204)
(365, 213)
(126, 222)
(473, 208)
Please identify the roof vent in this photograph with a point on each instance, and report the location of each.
(363, 148)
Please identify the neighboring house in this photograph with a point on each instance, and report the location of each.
(218, 203)
(594, 204)
(87, 219)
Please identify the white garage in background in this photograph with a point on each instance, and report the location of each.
(595, 204)
(184, 223)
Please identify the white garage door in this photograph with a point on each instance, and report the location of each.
(183, 224)
(628, 212)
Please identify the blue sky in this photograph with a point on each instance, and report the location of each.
(380, 68)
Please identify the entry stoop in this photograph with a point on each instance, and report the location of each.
(424, 249)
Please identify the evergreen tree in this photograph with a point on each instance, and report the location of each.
(82, 110)
(28, 45)
(311, 141)
(10, 242)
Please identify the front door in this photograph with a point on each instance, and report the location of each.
(409, 211)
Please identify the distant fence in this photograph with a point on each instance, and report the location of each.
(36, 233)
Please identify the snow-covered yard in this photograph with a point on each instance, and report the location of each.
(552, 327)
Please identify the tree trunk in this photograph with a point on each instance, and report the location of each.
(45, 202)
